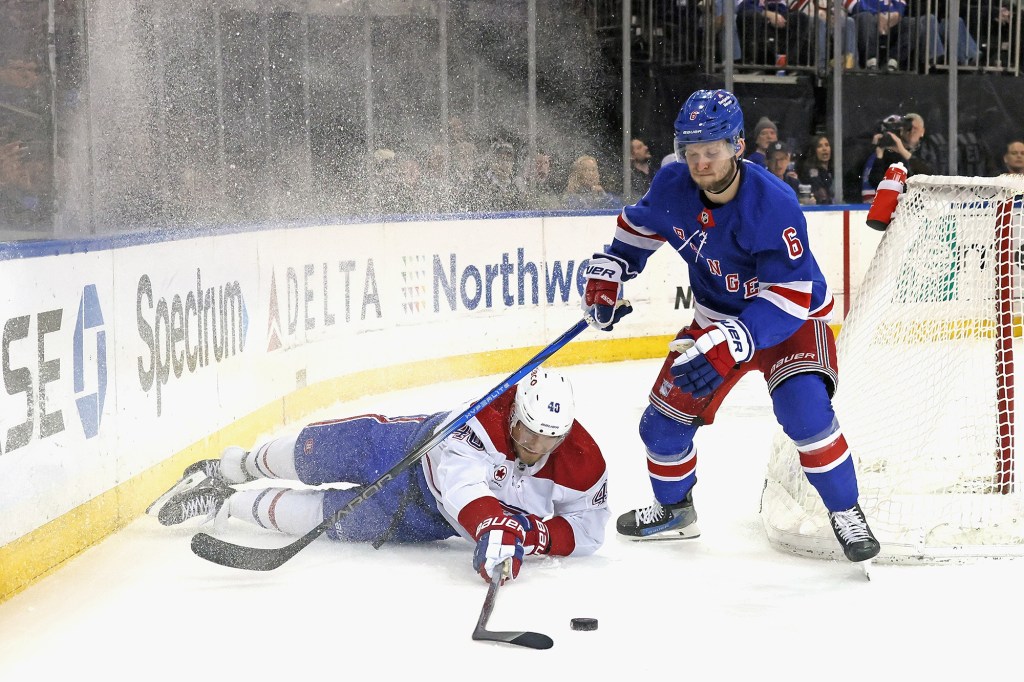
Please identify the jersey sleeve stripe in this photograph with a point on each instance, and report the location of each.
(794, 300)
(635, 235)
(824, 311)
(637, 240)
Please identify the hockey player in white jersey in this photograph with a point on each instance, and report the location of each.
(522, 477)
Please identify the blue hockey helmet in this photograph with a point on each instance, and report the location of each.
(706, 116)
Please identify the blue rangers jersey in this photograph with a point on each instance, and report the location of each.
(748, 259)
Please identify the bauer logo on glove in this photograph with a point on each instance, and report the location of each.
(707, 355)
(602, 300)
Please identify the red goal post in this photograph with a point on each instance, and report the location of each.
(926, 388)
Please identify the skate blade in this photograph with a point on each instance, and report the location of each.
(865, 567)
(689, 533)
(184, 484)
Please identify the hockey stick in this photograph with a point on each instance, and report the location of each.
(267, 559)
(531, 640)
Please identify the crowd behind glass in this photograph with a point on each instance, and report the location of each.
(118, 115)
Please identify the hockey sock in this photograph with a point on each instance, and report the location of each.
(289, 511)
(671, 455)
(272, 459)
(804, 410)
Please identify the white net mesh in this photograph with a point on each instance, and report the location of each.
(926, 384)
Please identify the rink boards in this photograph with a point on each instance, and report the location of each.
(124, 360)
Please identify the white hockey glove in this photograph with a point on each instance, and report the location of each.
(601, 302)
(707, 355)
(499, 538)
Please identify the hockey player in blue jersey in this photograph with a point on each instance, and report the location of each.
(761, 303)
(521, 477)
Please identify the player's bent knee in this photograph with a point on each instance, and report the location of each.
(802, 406)
(665, 436)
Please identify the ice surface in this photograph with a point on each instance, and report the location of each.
(141, 606)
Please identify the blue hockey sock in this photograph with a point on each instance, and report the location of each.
(805, 412)
(671, 456)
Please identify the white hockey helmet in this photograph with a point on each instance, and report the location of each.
(544, 403)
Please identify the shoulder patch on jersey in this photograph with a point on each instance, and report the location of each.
(706, 218)
(500, 473)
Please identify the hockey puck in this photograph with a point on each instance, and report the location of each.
(583, 623)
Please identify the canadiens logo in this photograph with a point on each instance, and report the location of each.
(500, 473)
(705, 219)
(307, 447)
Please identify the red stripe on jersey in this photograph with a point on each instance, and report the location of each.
(679, 470)
(628, 228)
(379, 418)
(476, 511)
(800, 298)
(495, 420)
(826, 309)
(823, 456)
(272, 509)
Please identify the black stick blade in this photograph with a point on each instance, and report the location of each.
(249, 558)
(530, 640)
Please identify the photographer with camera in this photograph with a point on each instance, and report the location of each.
(898, 139)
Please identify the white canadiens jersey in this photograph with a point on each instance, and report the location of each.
(568, 488)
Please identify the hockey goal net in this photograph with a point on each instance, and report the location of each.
(926, 390)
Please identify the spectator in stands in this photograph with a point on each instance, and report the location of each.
(878, 30)
(780, 163)
(967, 47)
(771, 35)
(410, 190)
(497, 188)
(900, 139)
(23, 184)
(766, 133)
(816, 169)
(817, 10)
(640, 168)
(462, 195)
(1013, 159)
(584, 190)
(997, 22)
(538, 184)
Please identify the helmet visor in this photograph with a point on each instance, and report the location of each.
(532, 442)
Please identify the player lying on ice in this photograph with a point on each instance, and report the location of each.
(522, 477)
(761, 303)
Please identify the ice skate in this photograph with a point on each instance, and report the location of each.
(204, 499)
(198, 472)
(851, 529)
(193, 475)
(661, 522)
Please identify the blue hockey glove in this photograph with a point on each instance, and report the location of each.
(707, 355)
(499, 538)
(601, 302)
